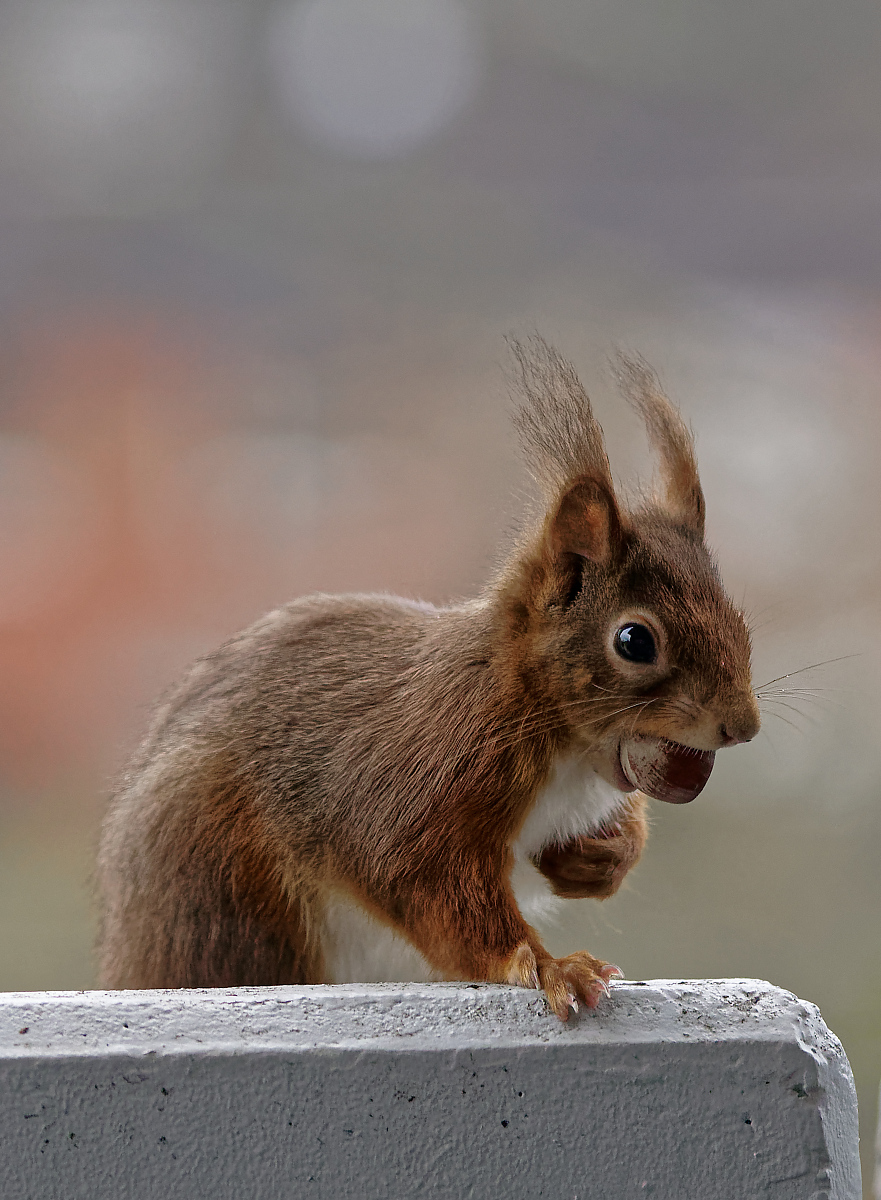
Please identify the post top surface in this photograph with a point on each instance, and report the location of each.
(399, 1016)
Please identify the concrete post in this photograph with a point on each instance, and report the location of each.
(726, 1090)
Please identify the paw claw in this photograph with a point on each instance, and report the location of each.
(577, 981)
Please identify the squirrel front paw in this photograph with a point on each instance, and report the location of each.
(565, 981)
(596, 866)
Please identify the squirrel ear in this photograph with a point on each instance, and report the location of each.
(683, 497)
(586, 522)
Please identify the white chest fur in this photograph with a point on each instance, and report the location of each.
(575, 800)
(359, 949)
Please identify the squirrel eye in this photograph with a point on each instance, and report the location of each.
(636, 643)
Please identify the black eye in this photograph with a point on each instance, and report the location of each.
(636, 644)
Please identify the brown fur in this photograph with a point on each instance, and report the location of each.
(390, 751)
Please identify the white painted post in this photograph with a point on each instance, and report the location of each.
(727, 1090)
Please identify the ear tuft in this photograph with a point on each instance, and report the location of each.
(670, 437)
(586, 522)
(561, 438)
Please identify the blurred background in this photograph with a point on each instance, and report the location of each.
(256, 265)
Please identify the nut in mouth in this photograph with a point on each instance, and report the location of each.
(663, 769)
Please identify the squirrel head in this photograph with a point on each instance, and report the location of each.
(618, 617)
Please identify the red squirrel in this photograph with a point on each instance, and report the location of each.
(364, 788)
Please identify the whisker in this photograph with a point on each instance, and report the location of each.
(528, 721)
(549, 723)
(795, 691)
(785, 721)
(769, 739)
(801, 670)
(794, 694)
(628, 707)
(816, 700)
(790, 708)
(636, 716)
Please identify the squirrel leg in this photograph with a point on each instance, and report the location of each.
(596, 866)
(468, 926)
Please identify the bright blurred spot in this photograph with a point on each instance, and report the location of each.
(112, 103)
(374, 78)
(47, 529)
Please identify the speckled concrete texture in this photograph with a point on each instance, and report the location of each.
(723, 1090)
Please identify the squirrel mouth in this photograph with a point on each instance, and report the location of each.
(663, 769)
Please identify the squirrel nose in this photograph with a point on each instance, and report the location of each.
(741, 723)
(735, 731)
